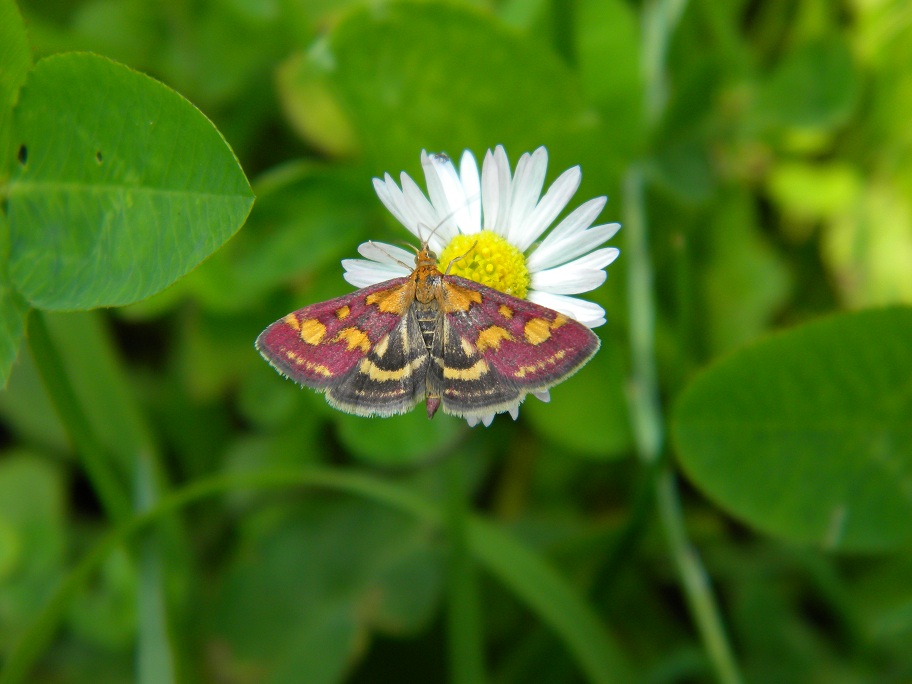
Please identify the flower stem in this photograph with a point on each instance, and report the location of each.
(659, 20)
(465, 639)
(95, 458)
(649, 433)
(697, 588)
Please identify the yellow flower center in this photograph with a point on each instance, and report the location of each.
(489, 259)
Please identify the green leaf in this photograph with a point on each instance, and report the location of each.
(310, 105)
(816, 86)
(542, 588)
(746, 281)
(608, 41)
(295, 600)
(813, 190)
(26, 409)
(32, 543)
(13, 310)
(105, 613)
(121, 186)
(587, 414)
(398, 440)
(868, 250)
(15, 61)
(532, 578)
(446, 78)
(807, 435)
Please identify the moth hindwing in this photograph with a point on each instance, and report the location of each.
(464, 348)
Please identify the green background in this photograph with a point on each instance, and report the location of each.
(171, 510)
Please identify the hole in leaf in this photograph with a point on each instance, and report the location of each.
(98, 157)
(22, 154)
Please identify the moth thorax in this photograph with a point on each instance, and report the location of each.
(427, 280)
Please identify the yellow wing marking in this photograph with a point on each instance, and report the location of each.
(473, 372)
(309, 365)
(490, 338)
(395, 301)
(381, 346)
(537, 330)
(371, 370)
(353, 337)
(558, 321)
(523, 371)
(458, 299)
(312, 331)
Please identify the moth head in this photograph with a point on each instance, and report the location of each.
(424, 256)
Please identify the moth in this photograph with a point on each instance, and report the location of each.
(466, 349)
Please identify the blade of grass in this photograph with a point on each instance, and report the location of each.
(464, 632)
(659, 19)
(154, 657)
(527, 575)
(556, 602)
(94, 457)
(92, 392)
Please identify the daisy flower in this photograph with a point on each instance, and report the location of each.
(504, 215)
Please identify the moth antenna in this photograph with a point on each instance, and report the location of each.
(424, 242)
(461, 256)
(408, 245)
(375, 245)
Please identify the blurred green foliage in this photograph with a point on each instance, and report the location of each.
(779, 190)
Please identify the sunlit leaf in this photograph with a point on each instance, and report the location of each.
(869, 249)
(120, 186)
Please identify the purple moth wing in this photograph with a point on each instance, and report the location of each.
(364, 349)
(494, 348)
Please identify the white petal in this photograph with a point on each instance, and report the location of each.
(362, 273)
(386, 254)
(587, 313)
(552, 253)
(578, 220)
(514, 412)
(468, 176)
(447, 193)
(552, 204)
(597, 259)
(496, 190)
(488, 419)
(580, 275)
(422, 214)
(432, 164)
(527, 187)
(566, 280)
(391, 196)
(542, 395)
(472, 421)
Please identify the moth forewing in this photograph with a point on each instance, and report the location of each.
(467, 349)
